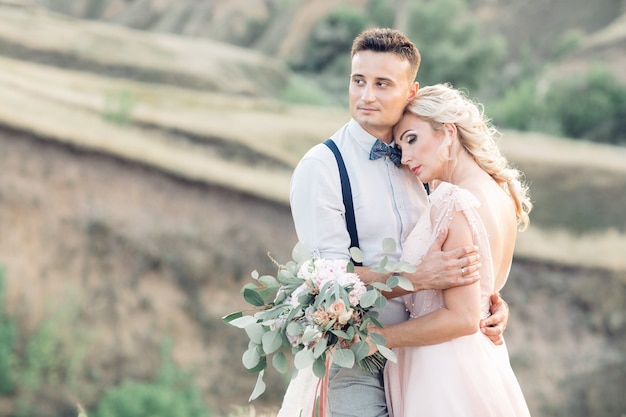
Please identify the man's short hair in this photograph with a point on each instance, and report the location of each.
(388, 40)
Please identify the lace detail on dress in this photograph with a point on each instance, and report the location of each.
(445, 202)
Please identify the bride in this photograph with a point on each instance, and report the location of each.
(446, 367)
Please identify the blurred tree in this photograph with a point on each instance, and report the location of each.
(452, 46)
(591, 107)
(330, 38)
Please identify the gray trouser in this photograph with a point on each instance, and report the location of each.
(355, 393)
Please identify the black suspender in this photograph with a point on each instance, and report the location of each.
(346, 191)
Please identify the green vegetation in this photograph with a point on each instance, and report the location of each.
(591, 107)
(8, 339)
(453, 48)
(119, 106)
(331, 40)
(171, 394)
(304, 90)
(54, 356)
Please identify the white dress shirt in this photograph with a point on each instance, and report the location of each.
(387, 203)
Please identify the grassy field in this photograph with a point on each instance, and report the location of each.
(252, 144)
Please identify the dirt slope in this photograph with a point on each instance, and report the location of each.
(133, 255)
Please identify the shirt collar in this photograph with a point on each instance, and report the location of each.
(361, 136)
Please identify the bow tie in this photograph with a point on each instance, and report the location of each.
(381, 149)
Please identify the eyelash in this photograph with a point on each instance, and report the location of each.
(411, 139)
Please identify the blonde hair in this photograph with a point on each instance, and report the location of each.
(440, 103)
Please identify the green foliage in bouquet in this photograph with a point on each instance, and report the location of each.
(319, 310)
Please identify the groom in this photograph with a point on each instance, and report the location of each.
(388, 200)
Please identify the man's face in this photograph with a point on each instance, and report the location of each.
(379, 90)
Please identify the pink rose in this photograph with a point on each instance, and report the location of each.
(338, 309)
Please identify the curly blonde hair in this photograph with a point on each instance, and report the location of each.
(440, 103)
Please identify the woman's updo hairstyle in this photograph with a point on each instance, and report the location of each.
(439, 104)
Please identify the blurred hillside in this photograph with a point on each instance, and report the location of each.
(535, 30)
(144, 174)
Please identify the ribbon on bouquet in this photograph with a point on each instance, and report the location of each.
(321, 392)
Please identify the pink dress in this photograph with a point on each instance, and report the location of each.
(467, 376)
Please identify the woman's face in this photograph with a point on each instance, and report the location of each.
(420, 144)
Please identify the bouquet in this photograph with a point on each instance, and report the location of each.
(317, 309)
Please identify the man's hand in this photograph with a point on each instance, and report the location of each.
(494, 325)
(440, 270)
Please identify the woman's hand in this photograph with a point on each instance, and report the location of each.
(372, 329)
(494, 325)
(440, 270)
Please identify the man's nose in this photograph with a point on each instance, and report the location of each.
(368, 95)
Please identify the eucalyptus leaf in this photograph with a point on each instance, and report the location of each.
(269, 315)
(272, 341)
(392, 281)
(375, 321)
(356, 254)
(380, 286)
(294, 329)
(249, 285)
(285, 275)
(377, 339)
(369, 298)
(259, 388)
(405, 283)
(303, 359)
(320, 348)
(254, 274)
(350, 332)
(344, 358)
(387, 353)
(255, 332)
(389, 245)
(243, 321)
(319, 367)
(300, 252)
(381, 302)
(400, 266)
(253, 297)
(341, 334)
(279, 361)
(269, 281)
(259, 367)
(230, 317)
(383, 263)
(250, 358)
(361, 350)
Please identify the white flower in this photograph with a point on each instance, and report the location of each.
(310, 336)
(358, 288)
(319, 271)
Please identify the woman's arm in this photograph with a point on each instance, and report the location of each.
(441, 268)
(460, 315)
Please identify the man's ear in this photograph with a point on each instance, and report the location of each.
(413, 90)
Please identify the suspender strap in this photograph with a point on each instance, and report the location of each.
(346, 191)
